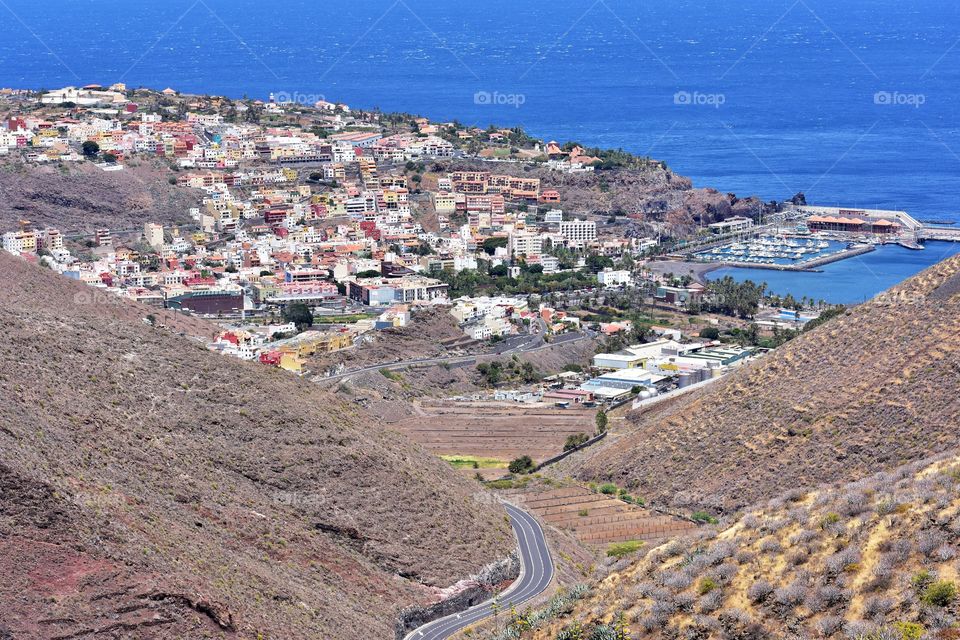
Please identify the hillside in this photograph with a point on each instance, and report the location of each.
(80, 198)
(655, 191)
(864, 392)
(872, 560)
(152, 489)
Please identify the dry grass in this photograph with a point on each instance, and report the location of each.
(850, 536)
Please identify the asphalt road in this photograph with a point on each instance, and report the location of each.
(536, 573)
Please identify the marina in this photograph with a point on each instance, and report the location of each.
(818, 236)
(783, 252)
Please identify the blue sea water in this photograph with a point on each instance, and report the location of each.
(849, 281)
(849, 101)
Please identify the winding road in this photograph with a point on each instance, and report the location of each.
(536, 573)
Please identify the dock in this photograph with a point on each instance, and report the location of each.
(946, 234)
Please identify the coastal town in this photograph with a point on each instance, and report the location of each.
(316, 225)
(477, 321)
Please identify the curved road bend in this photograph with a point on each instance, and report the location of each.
(536, 573)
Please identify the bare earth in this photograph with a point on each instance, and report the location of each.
(152, 489)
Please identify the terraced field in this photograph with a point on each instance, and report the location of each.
(501, 430)
(597, 519)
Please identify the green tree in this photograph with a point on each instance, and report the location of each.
(90, 148)
(601, 421)
(299, 314)
(490, 245)
(710, 333)
(523, 464)
(574, 441)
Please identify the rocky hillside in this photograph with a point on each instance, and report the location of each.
(152, 489)
(655, 191)
(80, 198)
(871, 560)
(864, 392)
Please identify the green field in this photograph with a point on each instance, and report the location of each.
(475, 462)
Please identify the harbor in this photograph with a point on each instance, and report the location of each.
(805, 238)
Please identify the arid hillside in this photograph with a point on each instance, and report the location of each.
(871, 560)
(655, 191)
(864, 392)
(80, 198)
(152, 489)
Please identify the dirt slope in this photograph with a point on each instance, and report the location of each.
(80, 198)
(152, 489)
(864, 392)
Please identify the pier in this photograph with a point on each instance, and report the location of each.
(946, 234)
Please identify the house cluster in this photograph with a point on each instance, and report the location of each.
(318, 211)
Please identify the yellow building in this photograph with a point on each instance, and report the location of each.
(291, 362)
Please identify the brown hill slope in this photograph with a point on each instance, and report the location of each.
(152, 489)
(866, 391)
(80, 198)
(872, 560)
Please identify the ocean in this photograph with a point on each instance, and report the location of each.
(850, 102)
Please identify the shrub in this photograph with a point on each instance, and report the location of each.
(703, 517)
(843, 560)
(829, 625)
(790, 595)
(939, 594)
(929, 542)
(829, 519)
(859, 630)
(710, 602)
(574, 441)
(620, 549)
(909, 630)
(877, 607)
(759, 591)
(706, 585)
(770, 545)
(608, 489)
(523, 464)
(945, 552)
(922, 579)
(725, 572)
(710, 333)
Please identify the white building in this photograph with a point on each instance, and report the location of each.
(578, 233)
(153, 234)
(554, 216)
(614, 277)
(732, 225)
(526, 244)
